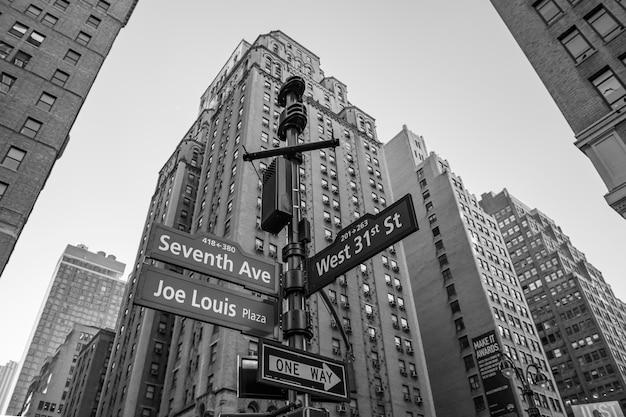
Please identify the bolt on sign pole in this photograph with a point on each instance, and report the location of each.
(293, 120)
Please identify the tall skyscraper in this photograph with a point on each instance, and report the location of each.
(239, 113)
(581, 323)
(469, 302)
(50, 54)
(47, 393)
(8, 373)
(577, 49)
(86, 288)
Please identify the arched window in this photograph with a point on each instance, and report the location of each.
(275, 48)
(368, 128)
(268, 63)
(340, 93)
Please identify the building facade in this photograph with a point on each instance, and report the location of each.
(86, 289)
(143, 336)
(465, 290)
(87, 381)
(50, 54)
(577, 49)
(48, 390)
(581, 323)
(8, 373)
(239, 113)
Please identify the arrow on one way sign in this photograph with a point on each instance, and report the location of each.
(323, 375)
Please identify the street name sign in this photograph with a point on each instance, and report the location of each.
(361, 240)
(302, 371)
(166, 291)
(214, 256)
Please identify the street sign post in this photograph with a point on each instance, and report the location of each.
(361, 240)
(302, 371)
(166, 291)
(214, 256)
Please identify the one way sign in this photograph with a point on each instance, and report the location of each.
(302, 371)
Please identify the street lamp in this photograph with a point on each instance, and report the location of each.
(528, 379)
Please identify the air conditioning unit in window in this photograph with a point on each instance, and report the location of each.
(410, 350)
(395, 268)
(341, 409)
(329, 237)
(405, 328)
(407, 396)
(399, 348)
(376, 363)
(401, 307)
(346, 305)
(373, 337)
(418, 400)
(403, 372)
(413, 374)
(259, 248)
(379, 389)
(336, 351)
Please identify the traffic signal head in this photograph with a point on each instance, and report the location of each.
(276, 210)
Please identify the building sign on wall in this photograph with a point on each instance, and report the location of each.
(604, 409)
(498, 388)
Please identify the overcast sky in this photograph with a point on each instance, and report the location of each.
(448, 69)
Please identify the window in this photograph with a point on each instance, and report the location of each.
(21, 59)
(61, 4)
(458, 324)
(3, 188)
(609, 86)
(455, 306)
(103, 6)
(49, 20)
(150, 391)
(604, 23)
(72, 57)
(5, 50)
(473, 382)
(33, 11)
(548, 10)
(93, 22)
(31, 127)
(60, 78)
(83, 38)
(479, 403)
(35, 38)
(469, 362)
(18, 30)
(6, 82)
(46, 101)
(576, 44)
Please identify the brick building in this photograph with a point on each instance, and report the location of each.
(464, 288)
(50, 54)
(577, 49)
(580, 322)
(239, 113)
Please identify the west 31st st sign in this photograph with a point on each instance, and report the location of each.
(360, 241)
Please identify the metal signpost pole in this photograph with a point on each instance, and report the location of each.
(295, 321)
